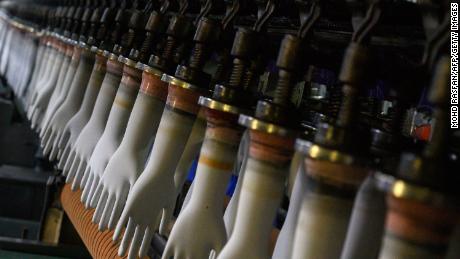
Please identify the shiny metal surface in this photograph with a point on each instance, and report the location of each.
(177, 82)
(216, 105)
(255, 124)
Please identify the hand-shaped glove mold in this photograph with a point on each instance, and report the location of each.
(328, 217)
(72, 102)
(36, 73)
(200, 227)
(130, 158)
(26, 56)
(323, 212)
(81, 118)
(49, 54)
(61, 89)
(283, 248)
(367, 223)
(155, 187)
(40, 79)
(91, 133)
(261, 193)
(65, 80)
(191, 152)
(52, 56)
(44, 96)
(114, 130)
(239, 169)
(39, 66)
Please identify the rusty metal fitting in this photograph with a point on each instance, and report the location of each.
(244, 44)
(154, 27)
(77, 22)
(196, 77)
(289, 53)
(103, 35)
(357, 65)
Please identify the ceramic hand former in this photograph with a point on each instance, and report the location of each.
(153, 192)
(238, 169)
(43, 98)
(91, 133)
(128, 161)
(261, 194)
(49, 70)
(81, 118)
(200, 227)
(65, 77)
(71, 104)
(283, 248)
(324, 212)
(191, 152)
(42, 71)
(114, 130)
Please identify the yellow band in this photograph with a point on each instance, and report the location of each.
(215, 164)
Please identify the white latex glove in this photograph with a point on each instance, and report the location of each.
(31, 57)
(58, 89)
(153, 192)
(113, 132)
(239, 169)
(200, 227)
(191, 152)
(79, 120)
(73, 104)
(21, 62)
(127, 163)
(283, 248)
(91, 133)
(322, 216)
(70, 105)
(52, 56)
(37, 73)
(65, 79)
(36, 70)
(44, 96)
(261, 193)
(367, 223)
(43, 72)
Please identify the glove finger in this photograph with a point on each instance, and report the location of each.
(127, 238)
(95, 192)
(165, 219)
(78, 175)
(85, 177)
(146, 242)
(136, 242)
(118, 208)
(106, 213)
(69, 161)
(121, 224)
(100, 207)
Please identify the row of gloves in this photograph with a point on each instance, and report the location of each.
(127, 140)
